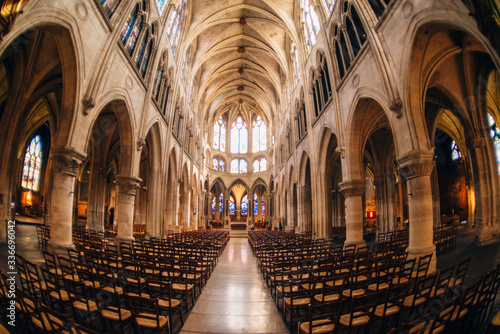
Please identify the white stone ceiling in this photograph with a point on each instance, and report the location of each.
(240, 55)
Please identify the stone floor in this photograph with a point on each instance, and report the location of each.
(236, 299)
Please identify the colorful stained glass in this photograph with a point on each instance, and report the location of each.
(160, 4)
(215, 163)
(255, 205)
(219, 142)
(244, 205)
(455, 152)
(243, 166)
(256, 166)
(127, 27)
(295, 62)
(238, 166)
(171, 22)
(142, 50)
(134, 34)
(174, 28)
(222, 165)
(263, 209)
(495, 135)
(232, 205)
(239, 136)
(234, 167)
(213, 206)
(310, 24)
(109, 6)
(32, 166)
(329, 5)
(259, 135)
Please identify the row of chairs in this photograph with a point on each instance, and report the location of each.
(445, 238)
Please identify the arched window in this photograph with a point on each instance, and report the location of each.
(219, 142)
(263, 211)
(310, 24)
(160, 4)
(131, 30)
(244, 205)
(32, 167)
(329, 5)
(221, 203)
(213, 205)
(295, 64)
(255, 205)
(260, 165)
(239, 136)
(218, 163)
(175, 25)
(495, 135)
(239, 166)
(232, 206)
(259, 135)
(379, 6)
(144, 53)
(109, 6)
(455, 152)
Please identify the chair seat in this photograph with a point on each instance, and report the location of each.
(399, 280)
(182, 287)
(117, 289)
(143, 295)
(113, 314)
(391, 310)
(320, 326)
(286, 289)
(376, 287)
(327, 298)
(409, 301)
(310, 286)
(359, 319)
(56, 271)
(42, 285)
(298, 301)
(454, 281)
(166, 304)
(150, 321)
(92, 306)
(46, 321)
(338, 282)
(354, 293)
(63, 295)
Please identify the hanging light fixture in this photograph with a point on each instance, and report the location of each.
(9, 11)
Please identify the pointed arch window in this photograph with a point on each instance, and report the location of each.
(495, 136)
(109, 6)
(219, 140)
(255, 205)
(244, 205)
(239, 136)
(213, 205)
(455, 152)
(129, 24)
(221, 203)
(238, 166)
(259, 135)
(379, 6)
(310, 24)
(260, 165)
(32, 167)
(218, 163)
(160, 4)
(232, 205)
(131, 30)
(263, 209)
(175, 25)
(295, 64)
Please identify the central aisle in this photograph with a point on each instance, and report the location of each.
(236, 298)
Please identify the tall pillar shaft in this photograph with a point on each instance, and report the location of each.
(125, 202)
(417, 167)
(65, 164)
(353, 191)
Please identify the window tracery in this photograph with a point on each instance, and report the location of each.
(32, 166)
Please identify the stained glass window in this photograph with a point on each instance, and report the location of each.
(142, 50)
(219, 142)
(213, 206)
(174, 27)
(160, 4)
(260, 165)
(244, 205)
(232, 205)
(255, 205)
(259, 135)
(295, 62)
(127, 27)
(134, 34)
(109, 6)
(215, 163)
(256, 166)
(455, 152)
(263, 206)
(32, 166)
(310, 24)
(222, 165)
(329, 5)
(238, 166)
(495, 135)
(239, 136)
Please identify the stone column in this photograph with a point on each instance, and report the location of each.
(125, 202)
(416, 167)
(65, 164)
(353, 191)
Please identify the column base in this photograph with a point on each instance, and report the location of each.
(59, 248)
(124, 238)
(358, 243)
(417, 252)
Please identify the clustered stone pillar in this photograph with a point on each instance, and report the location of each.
(353, 191)
(125, 202)
(416, 167)
(65, 163)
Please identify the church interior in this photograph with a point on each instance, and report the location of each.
(250, 166)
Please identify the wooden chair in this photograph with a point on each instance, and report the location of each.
(416, 300)
(163, 291)
(301, 292)
(57, 297)
(83, 302)
(443, 281)
(321, 318)
(458, 278)
(423, 266)
(51, 262)
(146, 315)
(113, 313)
(360, 312)
(392, 298)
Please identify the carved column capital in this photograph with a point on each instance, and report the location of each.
(416, 163)
(473, 143)
(66, 160)
(128, 184)
(352, 188)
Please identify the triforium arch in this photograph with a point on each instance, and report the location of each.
(450, 72)
(217, 203)
(40, 71)
(170, 223)
(259, 202)
(305, 195)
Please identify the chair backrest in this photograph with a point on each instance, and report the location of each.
(362, 308)
(423, 265)
(323, 317)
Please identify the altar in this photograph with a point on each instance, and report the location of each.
(239, 226)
